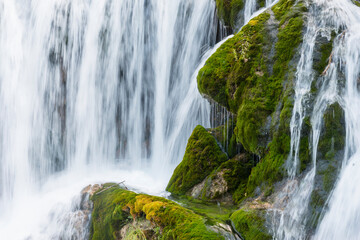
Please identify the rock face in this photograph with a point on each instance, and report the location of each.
(227, 183)
(253, 75)
(207, 173)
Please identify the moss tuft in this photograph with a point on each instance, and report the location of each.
(250, 223)
(202, 156)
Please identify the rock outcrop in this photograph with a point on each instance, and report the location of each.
(122, 214)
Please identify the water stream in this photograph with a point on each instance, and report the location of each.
(340, 218)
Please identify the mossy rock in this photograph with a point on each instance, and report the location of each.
(202, 156)
(228, 11)
(329, 158)
(250, 223)
(115, 207)
(227, 183)
(226, 138)
(332, 138)
(252, 75)
(231, 12)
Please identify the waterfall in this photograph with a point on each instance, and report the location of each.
(292, 219)
(343, 211)
(92, 87)
(341, 218)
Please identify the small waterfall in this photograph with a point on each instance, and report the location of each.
(292, 220)
(251, 7)
(340, 221)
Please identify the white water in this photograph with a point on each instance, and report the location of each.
(292, 219)
(93, 91)
(341, 220)
(250, 8)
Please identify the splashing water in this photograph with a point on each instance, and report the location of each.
(89, 85)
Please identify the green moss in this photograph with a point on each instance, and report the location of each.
(332, 138)
(285, 8)
(202, 156)
(245, 76)
(329, 178)
(317, 199)
(304, 154)
(270, 168)
(226, 71)
(262, 3)
(236, 7)
(330, 155)
(211, 211)
(225, 136)
(356, 2)
(223, 10)
(228, 11)
(115, 207)
(250, 223)
(236, 170)
(325, 50)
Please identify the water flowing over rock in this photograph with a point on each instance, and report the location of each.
(117, 91)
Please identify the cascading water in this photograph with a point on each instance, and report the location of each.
(340, 221)
(293, 218)
(88, 87)
(97, 91)
(250, 8)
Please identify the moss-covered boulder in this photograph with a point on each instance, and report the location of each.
(117, 212)
(202, 156)
(250, 223)
(252, 75)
